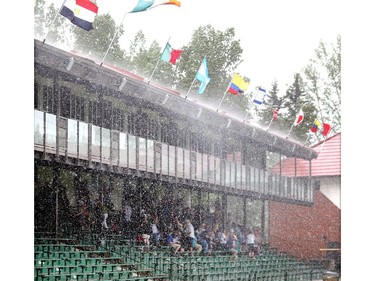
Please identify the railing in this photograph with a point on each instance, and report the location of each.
(80, 140)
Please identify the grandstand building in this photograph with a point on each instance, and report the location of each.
(103, 135)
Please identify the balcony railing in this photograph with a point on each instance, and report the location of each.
(85, 141)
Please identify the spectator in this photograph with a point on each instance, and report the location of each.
(191, 239)
(250, 243)
(155, 238)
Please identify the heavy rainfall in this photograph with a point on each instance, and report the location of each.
(163, 162)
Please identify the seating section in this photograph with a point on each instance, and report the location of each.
(118, 258)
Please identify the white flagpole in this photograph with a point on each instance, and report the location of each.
(190, 88)
(53, 21)
(224, 94)
(289, 131)
(157, 63)
(269, 125)
(114, 36)
(247, 113)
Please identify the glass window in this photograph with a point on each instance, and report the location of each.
(205, 167)
(198, 166)
(50, 130)
(38, 127)
(123, 150)
(172, 159)
(132, 151)
(187, 164)
(180, 162)
(142, 154)
(72, 138)
(150, 155)
(106, 145)
(95, 147)
(83, 140)
(115, 147)
(164, 159)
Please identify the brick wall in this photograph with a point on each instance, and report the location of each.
(299, 230)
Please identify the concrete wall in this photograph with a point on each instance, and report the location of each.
(330, 187)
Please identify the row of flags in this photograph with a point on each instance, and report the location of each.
(82, 13)
(316, 126)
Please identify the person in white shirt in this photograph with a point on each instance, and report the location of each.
(190, 235)
(250, 243)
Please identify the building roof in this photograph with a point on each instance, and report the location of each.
(328, 162)
(133, 89)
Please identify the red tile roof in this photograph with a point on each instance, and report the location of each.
(328, 162)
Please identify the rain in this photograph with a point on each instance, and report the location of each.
(133, 180)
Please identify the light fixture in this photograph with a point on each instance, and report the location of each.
(165, 99)
(123, 82)
(71, 62)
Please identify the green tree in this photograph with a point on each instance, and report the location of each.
(294, 100)
(323, 82)
(97, 41)
(39, 18)
(271, 101)
(223, 53)
(48, 24)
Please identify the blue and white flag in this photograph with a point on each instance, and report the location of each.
(202, 76)
(259, 96)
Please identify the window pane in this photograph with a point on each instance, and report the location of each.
(142, 154)
(198, 166)
(172, 159)
(72, 138)
(83, 140)
(106, 145)
(187, 164)
(95, 135)
(180, 162)
(132, 151)
(150, 155)
(50, 131)
(164, 159)
(123, 150)
(38, 127)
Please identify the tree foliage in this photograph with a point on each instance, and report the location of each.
(97, 41)
(317, 89)
(323, 82)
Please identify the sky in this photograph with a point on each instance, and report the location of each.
(278, 37)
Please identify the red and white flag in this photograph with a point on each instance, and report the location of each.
(275, 113)
(299, 118)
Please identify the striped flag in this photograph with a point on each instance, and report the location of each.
(80, 12)
(145, 5)
(259, 97)
(169, 54)
(202, 76)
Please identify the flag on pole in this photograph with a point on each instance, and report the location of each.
(326, 129)
(275, 113)
(299, 118)
(259, 97)
(237, 85)
(202, 76)
(80, 12)
(169, 54)
(145, 5)
(315, 126)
